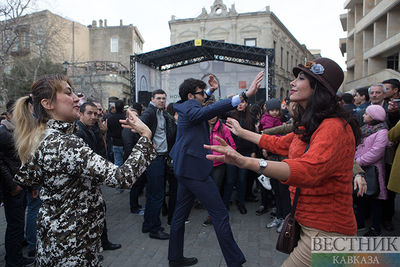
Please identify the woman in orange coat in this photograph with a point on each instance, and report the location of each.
(324, 172)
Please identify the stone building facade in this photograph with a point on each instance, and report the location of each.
(262, 29)
(372, 44)
(82, 49)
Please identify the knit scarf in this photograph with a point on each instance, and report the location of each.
(367, 130)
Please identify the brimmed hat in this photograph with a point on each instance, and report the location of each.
(377, 112)
(325, 71)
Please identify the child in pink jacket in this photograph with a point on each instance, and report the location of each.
(371, 152)
(272, 117)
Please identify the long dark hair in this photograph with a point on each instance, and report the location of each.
(321, 105)
(220, 126)
(244, 117)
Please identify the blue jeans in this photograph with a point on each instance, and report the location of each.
(154, 194)
(33, 206)
(235, 175)
(118, 152)
(136, 189)
(14, 211)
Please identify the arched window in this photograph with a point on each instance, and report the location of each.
(143, 84)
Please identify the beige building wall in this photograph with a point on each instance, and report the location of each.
(74, 42)
(53, 36)
(114, 43)
(262, 29)
(372, 45)
(103, 87)
(66, 41)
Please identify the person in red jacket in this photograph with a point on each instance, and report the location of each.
(324, 171)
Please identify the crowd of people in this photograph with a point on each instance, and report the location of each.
(198, 153)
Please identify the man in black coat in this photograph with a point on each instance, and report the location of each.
(89, 131)
(163, 130)
(115, 130)
(12, 195)
(130, 139)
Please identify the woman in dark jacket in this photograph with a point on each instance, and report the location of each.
(235, 175)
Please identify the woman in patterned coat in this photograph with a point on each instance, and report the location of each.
(71, 219)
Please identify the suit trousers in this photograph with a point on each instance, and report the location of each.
(208, 194)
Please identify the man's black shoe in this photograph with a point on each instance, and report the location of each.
(145, 231)
(183, 262)
(101, 257)
(242, 208)
(111, 246)
(28, 261)
(160, 234)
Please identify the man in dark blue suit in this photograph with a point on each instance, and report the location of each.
(192, 169)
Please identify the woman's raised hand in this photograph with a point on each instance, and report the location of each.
(255, 84)
(213, 82)
(133, 122)
(234, 126)
(229, 155)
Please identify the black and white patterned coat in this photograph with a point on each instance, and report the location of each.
(70, 221)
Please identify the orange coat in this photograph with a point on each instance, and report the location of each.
(324, 174)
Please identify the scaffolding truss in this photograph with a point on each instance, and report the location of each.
(196, 51)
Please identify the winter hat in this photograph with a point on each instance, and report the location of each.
(273, 103)
(377, 112)
(324, 70)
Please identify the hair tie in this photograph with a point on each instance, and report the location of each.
(29, 99)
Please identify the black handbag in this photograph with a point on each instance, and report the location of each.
(290, 234)
(371, 177)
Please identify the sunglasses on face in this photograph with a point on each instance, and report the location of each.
(199, 93)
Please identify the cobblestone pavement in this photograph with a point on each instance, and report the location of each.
(256, 242)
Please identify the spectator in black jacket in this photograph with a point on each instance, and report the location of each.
(12, 195)
(348, 102)
(89, 131)
(130, 139)
(114, 130)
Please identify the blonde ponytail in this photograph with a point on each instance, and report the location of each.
(27, 133)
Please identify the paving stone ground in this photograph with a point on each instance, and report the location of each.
(256, 242)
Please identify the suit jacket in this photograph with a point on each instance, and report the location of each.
(188, 153)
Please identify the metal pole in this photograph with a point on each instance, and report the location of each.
(136, 83)
(266, 78)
